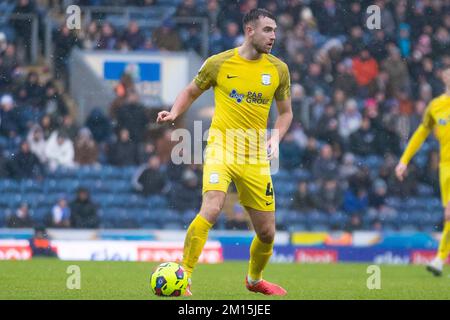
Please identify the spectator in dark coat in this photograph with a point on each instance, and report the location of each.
(132, 117)
(124, 152)
(149, 179)
(25, 164)
(326, 166)
(133, 36)
(329, 197)
(21, 218)
(363, 141)
(83, 211)
(187, 194)
(304, 200)
(65, 40)
(99, 125)
(10, 124)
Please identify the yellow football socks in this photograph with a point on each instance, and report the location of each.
(444, 245)
(195, 240)
(260, 254)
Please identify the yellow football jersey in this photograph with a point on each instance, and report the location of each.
(437, 118)
(243, 93)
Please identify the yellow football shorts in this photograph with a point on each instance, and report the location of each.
(444, 179)
(253, 180)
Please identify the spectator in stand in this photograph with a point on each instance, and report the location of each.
(132, 117)
(133, 36)
(20, 219)
(69, 127)
(362, 142)
(166, 37)
(83, 212)
(86, 149)
(53, 104)
(365, 70)
(397, 70)
(326, 166)
(60, 215)
(304, 200)
(329, 197)
(37, 142)
(149, 178)
(100, 126)
(187, 194)
(327, 127)
(108, 38)
(146, 150)
(23, 27)
(65, 40)
(10, 124)
(238, 220)
(124, 152)
(290, 153)
(47, 125)
(378, 207)
(4, 165)
(34, 90)
(59, 151)
(25, 165)
(348, 167)
(310, 153)
(91, 37)
(188, 8)
(356, 201)
(349, 120)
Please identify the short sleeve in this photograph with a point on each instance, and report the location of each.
(284, 87)
(205, 77)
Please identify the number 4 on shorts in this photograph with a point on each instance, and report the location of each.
(269, 190)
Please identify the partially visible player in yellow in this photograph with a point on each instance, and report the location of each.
(436, 118)
(245, 79)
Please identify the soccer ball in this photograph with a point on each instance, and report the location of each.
(169, 279)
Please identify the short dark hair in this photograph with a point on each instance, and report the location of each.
(255, 14)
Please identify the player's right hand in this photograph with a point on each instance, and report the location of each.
(400, 171)
(165, 116)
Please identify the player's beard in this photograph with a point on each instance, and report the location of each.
(261, 48)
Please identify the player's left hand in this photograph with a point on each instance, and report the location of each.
(273, 148)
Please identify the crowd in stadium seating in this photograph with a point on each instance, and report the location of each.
(358, 94)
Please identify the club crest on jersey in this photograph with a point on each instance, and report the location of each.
(214, 178)
(443, 122)
(266, 79)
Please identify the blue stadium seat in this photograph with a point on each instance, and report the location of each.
(173, 225)
(297, 227)
(284, 202)
(9, 185)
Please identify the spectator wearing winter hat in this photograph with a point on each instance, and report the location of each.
(10, 124)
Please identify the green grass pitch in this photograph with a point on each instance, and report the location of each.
(46, 279)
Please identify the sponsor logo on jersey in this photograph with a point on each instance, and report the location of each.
(235, 95)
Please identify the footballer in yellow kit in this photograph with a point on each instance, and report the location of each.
(243, 92)
(246, 80)
(437, 119)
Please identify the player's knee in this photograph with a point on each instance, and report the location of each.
(266, 235)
